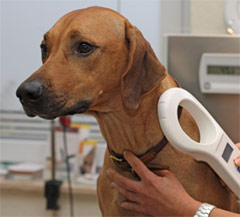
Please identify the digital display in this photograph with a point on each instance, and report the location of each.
(227, 152)
(223, 70)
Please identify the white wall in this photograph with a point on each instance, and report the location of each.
(207, 17)
(146, 16)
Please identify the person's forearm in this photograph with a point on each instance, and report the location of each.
(159, 193)
(216, 212)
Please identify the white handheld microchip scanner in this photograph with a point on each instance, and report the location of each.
(214, 148)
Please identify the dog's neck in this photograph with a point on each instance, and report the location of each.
(136, 130)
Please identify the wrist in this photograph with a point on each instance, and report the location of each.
(190, 208)
(193, 207)
(204, 210)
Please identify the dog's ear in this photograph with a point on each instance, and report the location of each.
(143, 70)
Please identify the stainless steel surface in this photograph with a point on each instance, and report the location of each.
(184, 53)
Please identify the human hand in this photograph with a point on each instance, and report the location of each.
(237, 163)
(237, 159)
(156, 195)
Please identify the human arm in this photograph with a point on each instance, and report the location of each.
(157, 194)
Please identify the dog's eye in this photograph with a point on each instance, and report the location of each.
(84, 48)
(44, 51)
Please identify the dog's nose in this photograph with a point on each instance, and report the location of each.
(30, 91)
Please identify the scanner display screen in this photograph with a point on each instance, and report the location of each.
(227, 152)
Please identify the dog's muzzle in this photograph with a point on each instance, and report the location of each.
(38, 100)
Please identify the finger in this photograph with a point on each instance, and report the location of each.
(237, 161)
(133, 206)
(238, 145)
(122, 181)
(162, 173)
(128, 194)
(137, 165)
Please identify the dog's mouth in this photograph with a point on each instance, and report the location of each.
(50, 109)
(38, 100)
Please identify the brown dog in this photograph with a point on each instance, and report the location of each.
(95, 61)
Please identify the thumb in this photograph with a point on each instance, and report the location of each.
(161, 173)
(237, 161)
(238, 145)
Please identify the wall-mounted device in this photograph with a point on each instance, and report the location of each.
(220, 73)
(215, 147)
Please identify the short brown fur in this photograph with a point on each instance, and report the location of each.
(123, 79)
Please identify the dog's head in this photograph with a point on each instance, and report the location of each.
(88, 56)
